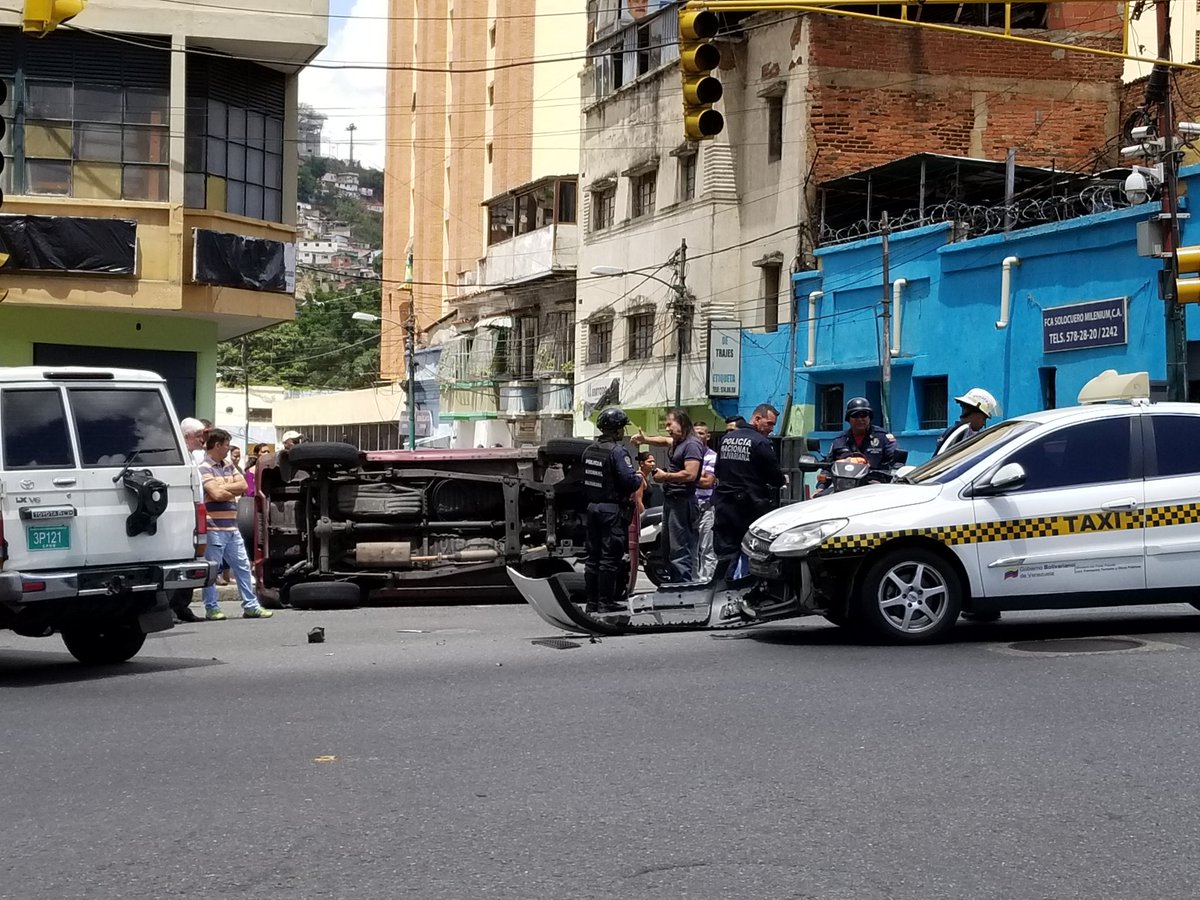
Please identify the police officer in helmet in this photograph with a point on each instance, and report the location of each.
(609, 481)
(864, 438)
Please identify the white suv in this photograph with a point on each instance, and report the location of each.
(1088, 506)
(100, 512)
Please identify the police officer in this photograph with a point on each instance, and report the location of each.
(746, 468)
(609, 481)
(863, 438)
(977, 407)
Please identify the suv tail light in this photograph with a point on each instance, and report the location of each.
(201, 533)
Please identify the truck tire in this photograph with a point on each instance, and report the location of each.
(307, 456)
(569, 450)
(324, 595)
(109, 644)
(245, 523)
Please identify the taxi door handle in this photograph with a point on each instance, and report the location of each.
(1128, 504)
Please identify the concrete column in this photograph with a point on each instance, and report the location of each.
(291, 157)
(178, 149)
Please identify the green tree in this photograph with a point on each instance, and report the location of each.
(322, 348)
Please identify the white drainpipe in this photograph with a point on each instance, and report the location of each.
(898, 287)
(1006, 289)
(812, 327)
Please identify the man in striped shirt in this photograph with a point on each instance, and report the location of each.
(223, 485)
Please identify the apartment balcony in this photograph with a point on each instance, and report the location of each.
(537, 254)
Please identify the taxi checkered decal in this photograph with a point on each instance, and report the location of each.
(1022, 529)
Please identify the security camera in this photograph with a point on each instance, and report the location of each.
(1142, 132)
(1137, 188)
(1141, 183)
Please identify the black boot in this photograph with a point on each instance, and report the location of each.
(614, 612)
(591, 587)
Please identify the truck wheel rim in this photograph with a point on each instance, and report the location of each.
(913, 597)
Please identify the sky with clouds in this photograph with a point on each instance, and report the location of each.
(358, 36)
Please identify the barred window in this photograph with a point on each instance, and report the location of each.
(600, 341)
(645, 188)
(829, 407)
(604, 207)
(935, 401)
(687, 176)
(641, 335)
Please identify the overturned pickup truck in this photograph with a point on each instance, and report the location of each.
(332, 524)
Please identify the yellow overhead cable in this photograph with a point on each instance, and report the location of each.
(831, 7)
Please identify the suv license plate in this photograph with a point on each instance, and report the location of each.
(48, 537)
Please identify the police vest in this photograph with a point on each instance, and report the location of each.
(599, 474)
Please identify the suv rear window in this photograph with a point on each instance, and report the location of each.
(113, 423)
(35, 430)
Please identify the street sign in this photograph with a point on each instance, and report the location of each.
(724, 357)
(1079, 326)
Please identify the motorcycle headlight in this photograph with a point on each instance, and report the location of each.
(800, 540)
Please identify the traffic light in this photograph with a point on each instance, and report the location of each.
(43, 16)
(1187, 290)
(698, 56)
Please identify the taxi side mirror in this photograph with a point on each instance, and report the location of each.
(900, 457)
(1008, 477)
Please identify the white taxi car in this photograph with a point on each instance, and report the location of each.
(1095, 505)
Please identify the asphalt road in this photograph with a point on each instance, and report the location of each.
(443, 753)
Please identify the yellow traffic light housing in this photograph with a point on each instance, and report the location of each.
(43, 16)
(698, 56)
(1187, 290)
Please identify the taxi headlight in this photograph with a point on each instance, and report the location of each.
(800, 540)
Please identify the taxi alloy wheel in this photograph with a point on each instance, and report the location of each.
(911, 595)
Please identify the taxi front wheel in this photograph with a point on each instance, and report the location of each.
(910, 596)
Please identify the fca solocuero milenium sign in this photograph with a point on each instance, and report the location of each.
(724, 358)
(1096, 323)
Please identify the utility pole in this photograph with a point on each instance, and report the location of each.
(683, 317)
(410, 341)
(352, 128)
(1158, 89)
(885, 387)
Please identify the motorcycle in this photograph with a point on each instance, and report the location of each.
(849, 472)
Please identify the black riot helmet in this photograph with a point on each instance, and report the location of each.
(612, 421)
(858, 405)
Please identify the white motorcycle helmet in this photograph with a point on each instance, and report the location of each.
(981, 400)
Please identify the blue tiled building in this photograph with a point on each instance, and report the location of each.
(951, 329)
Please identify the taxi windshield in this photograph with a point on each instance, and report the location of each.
(957, 460)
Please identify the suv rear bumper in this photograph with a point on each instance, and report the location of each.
(19, 588)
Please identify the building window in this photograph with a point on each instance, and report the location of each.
(86, 121)
(604, 207)
(489, 152)
(638, 48)
(934, 394)
(535, 209)
(492, 35)
(567, 202)
(501, 221)
(491, 93)
(644, 188)
(599, 341)
(774, 129)
(770, 292)
(234, 145)
(687, 176)
(641, 335)
(829, 407)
